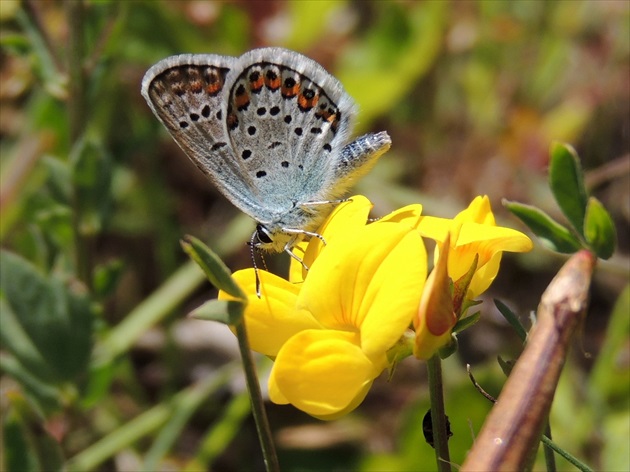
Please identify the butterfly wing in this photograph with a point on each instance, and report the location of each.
(268, 128)
(187, 94)
(287, 121)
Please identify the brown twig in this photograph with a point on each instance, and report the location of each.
(512, 431)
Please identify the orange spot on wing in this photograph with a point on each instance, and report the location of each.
(257, 84)
(307, 103)
(241, 101)
(289, 92)
(272, 83)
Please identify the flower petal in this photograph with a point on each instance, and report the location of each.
(271, 319)
(345, 219)
(479, 211)
(434, 228)
(370, 282)
(322, 372)
(409, 215)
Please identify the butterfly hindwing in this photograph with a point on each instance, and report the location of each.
(288, 120)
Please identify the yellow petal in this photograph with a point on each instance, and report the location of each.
(370, 282)
(358, 399)
(434, 228)
(479, 211)
(322, 372)
(409, 215)
(344, 220)
(272, 319)
(497, 237)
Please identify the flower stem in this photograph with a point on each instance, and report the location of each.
(438, 417)
(258, 409)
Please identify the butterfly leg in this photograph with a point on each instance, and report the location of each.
(288, 250)
(311, 234)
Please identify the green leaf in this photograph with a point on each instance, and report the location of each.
(511, 318)
(214, 268)
(552, 234)
(91, 176)
(466, 322)
(47, 397)
(106, 277)
(566, 180)
(46, 324)
(227, 312)
(599, 229)
(506, 366)
(58, 181)
(27, 445)
(610, 378)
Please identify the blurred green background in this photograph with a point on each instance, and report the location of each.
(101, 369)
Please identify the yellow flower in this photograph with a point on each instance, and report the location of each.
(330, 332)
(473, 233)
(436, 316)
(469, 245)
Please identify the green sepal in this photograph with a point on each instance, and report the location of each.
(449, 349)
(460, 288)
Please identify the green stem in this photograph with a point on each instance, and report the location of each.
(258, 408)
(187, 401)
(77, 119)
(550, 458)
(578, 464)
(438, 417)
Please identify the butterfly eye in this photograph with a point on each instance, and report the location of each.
(262, 234)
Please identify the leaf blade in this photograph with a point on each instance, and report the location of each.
(552, 234)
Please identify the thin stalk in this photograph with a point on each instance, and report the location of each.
(77, 119)
(438, 416)
(258, 408)
(148, 422)
(550, 458)
(76, 77)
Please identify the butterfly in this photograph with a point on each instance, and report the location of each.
(270, 129)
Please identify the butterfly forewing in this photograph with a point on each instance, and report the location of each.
(186, 93)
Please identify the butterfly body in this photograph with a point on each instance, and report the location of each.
(270, 129)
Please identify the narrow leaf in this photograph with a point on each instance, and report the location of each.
(566, 180)
(511, 318)
(214, 268)
(552, 234)
(227, 312)
(599, 229)
(466, 322)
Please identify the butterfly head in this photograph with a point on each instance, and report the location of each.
(275, 239)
